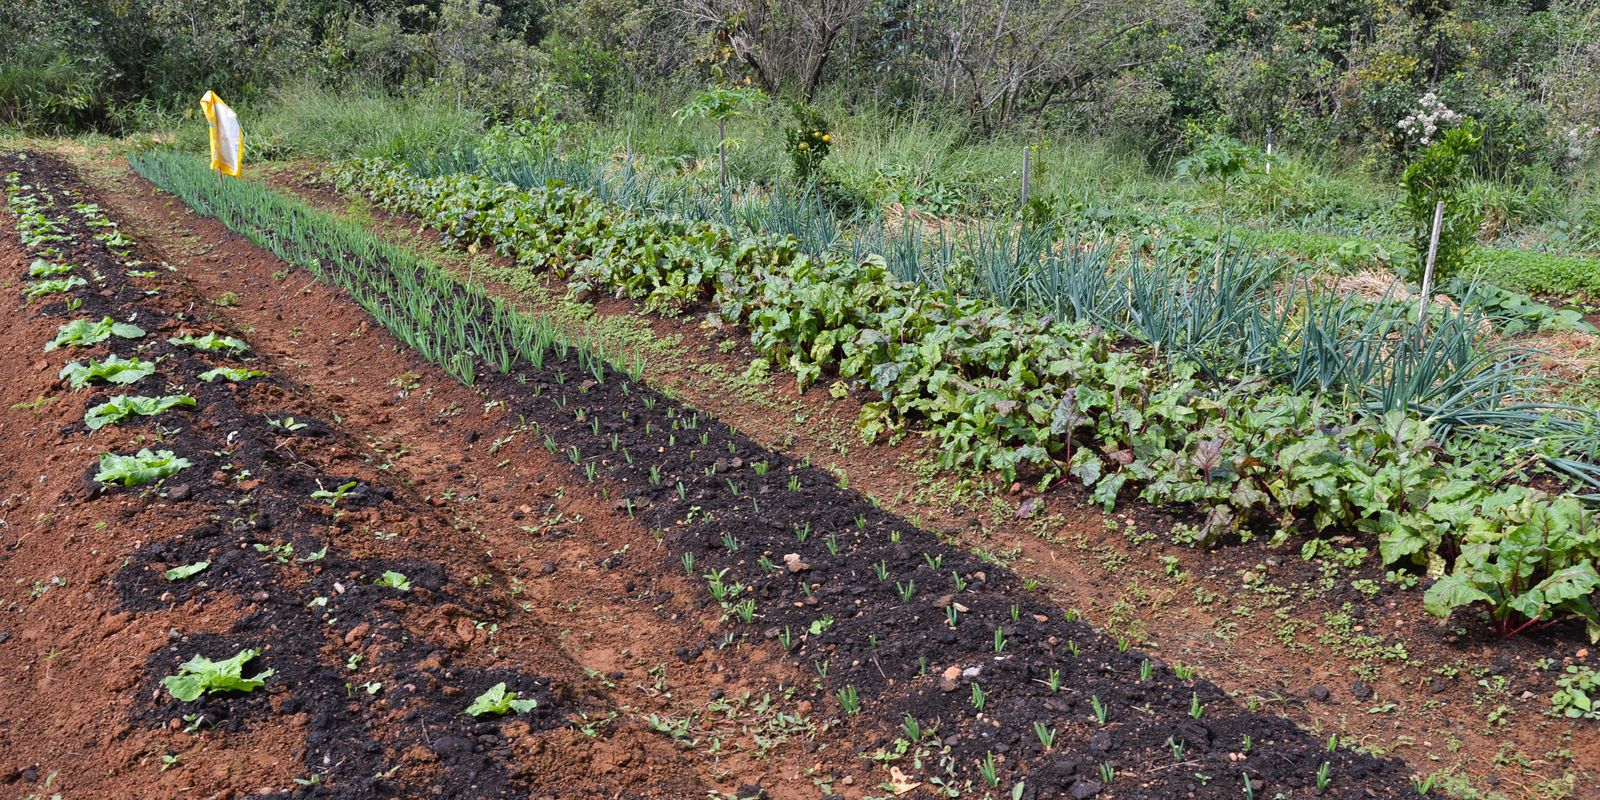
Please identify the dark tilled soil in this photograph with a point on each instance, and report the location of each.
(806, 551)
(808, 554)
(1276, 630)
(368, 683)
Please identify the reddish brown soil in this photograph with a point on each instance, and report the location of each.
(514, 578)
(570, 584)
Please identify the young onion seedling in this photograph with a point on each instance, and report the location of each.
(849, 700)
(1047, 735)
(989, 770)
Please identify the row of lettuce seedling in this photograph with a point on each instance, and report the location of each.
(54, 275)
(1019, 393)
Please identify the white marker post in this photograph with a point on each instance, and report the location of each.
(1427, 268)
(1027, 170)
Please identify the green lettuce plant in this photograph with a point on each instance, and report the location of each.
(139, 469)
(231, 374)
(201, 675)
(114, 369)
(118, 409)
(39, 289)
(499, 701)
(83, 333)
(211, 343)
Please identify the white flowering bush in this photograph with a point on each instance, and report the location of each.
(1575, 143)
(1425, 122)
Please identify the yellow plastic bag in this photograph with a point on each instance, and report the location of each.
(227, 140)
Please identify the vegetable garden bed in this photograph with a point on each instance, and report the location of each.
(268, 610)
(905, 635)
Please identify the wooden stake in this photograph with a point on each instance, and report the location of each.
(722, 153)
(1027, 169)
(1427, 268)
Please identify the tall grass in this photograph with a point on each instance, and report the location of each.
(340, 123)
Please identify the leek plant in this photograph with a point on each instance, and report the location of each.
(1229, 311)
(453, 324)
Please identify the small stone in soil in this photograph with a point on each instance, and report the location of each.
(1085, 789)
(947, 680)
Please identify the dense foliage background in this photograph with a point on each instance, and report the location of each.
(1317, 73)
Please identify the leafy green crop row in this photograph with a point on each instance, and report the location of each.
(43, 234)
(1004, 390)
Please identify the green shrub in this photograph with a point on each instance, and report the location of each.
(808, 142)
(1222, 160)
(50, 92)
(1437, 175)
(350, 122)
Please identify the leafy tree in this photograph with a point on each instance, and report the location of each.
(1222, 159)
(720, 104)
(1437, 175)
